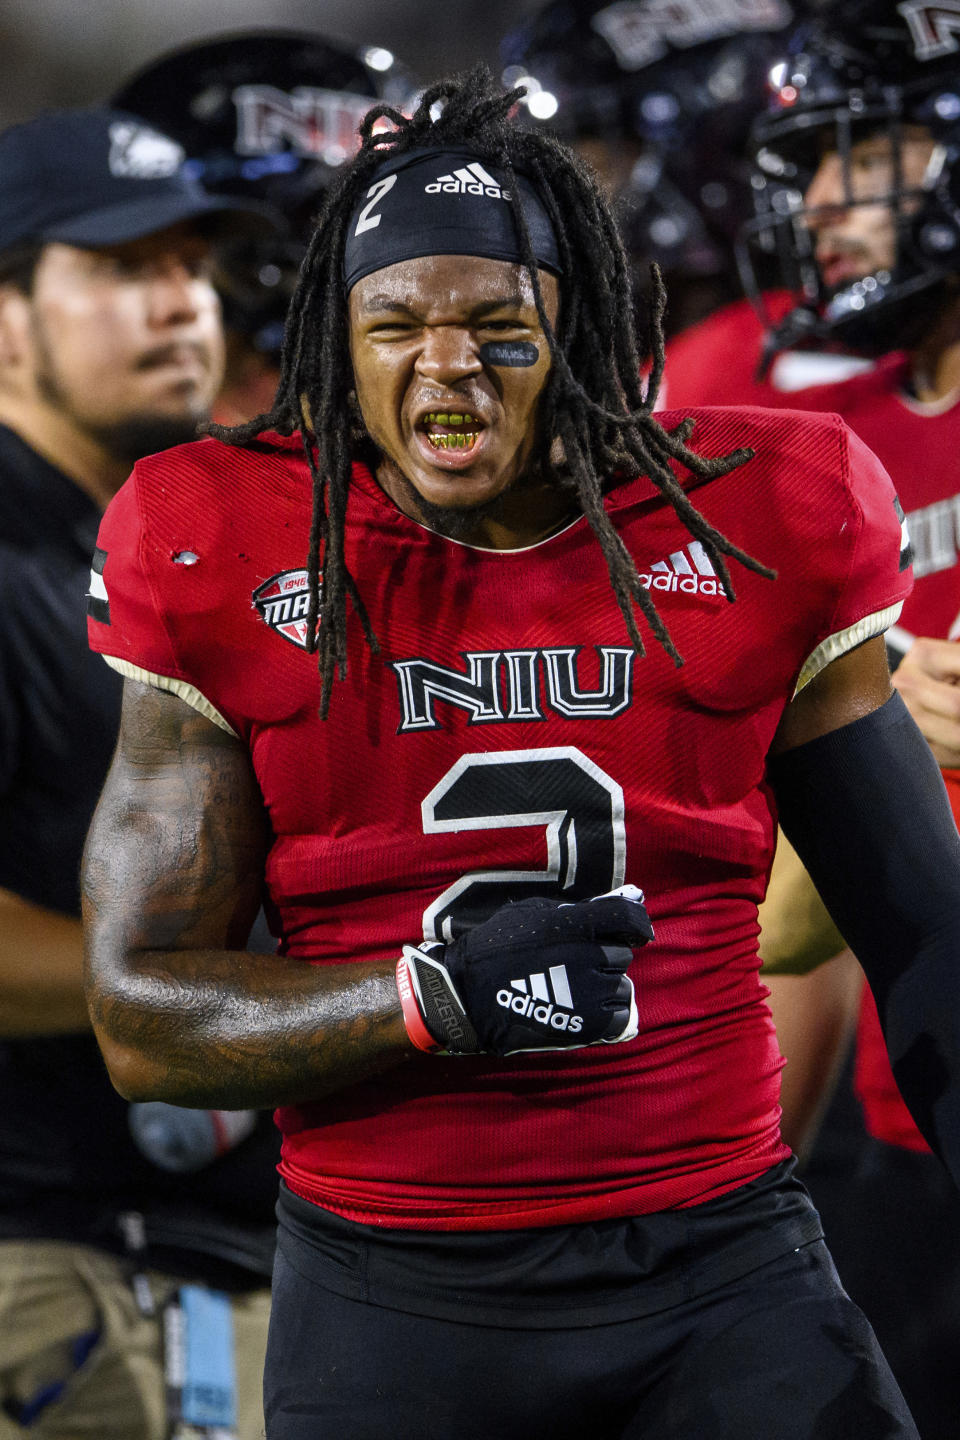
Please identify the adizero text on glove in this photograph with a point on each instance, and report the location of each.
(537, 975)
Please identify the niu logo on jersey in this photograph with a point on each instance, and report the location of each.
(283, 602)
(514, 685)
(688, 571)
(532, 998)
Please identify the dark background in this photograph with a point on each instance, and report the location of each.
(74, 52)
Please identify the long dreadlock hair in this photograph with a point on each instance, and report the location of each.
(593, 401)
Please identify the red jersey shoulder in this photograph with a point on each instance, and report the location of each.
(808, 473)
(202, 489)
(174, 542)
(781, 440)
(814, 503)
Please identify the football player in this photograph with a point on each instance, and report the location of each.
(532, 1177)
(658, 100)
(857, 154)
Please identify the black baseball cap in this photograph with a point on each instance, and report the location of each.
(100, 176)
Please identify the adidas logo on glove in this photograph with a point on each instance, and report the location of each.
(461, 996)
(533, 1000)
(472, 179)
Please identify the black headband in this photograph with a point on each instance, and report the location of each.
(443, 202)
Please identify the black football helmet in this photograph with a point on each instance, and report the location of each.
(853, 69)
(683, 78)
(269, 115)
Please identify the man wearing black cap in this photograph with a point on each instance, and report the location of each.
(110, 348)
(266, 115)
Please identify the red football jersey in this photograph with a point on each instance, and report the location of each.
(716, 362)
(918, 444)
(505, 742)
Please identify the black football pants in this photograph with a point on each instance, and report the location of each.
(779, 1354)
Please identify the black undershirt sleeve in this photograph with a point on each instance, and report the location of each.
(866, 810)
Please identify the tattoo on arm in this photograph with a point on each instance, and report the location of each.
(172, 878)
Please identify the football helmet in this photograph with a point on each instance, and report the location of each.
(268, 115)
(680, 78)
(853, 70)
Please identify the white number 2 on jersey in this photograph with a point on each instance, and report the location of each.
(579, 805)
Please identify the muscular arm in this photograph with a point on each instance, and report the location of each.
(172, 875)
(797, 931)
(863, 802)
(814, 981)
(850, 688)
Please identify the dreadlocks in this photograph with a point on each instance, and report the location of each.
(594, 401)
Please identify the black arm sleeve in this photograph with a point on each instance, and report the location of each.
(866, 810)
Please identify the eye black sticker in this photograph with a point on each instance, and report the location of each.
(509, 352)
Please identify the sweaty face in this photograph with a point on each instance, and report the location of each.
(456, 432)
(126, 340)
(854, 224)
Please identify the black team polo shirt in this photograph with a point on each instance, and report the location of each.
(68, 1165)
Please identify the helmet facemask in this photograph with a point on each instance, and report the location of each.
(912, 131)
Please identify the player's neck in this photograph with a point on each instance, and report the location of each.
(530, 511)
(935, 364)
(65, 445)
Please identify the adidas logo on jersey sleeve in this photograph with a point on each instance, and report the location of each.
(472, 179)
(688, 571)
(544, 997)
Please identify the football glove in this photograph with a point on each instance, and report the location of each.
(537, 975)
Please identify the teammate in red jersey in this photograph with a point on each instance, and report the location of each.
(532, 1178)
(858, 149)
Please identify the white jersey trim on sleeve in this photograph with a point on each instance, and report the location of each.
(844, 640)
(188, 693)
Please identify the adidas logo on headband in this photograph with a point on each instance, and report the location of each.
(395, 220)
(471, 180)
